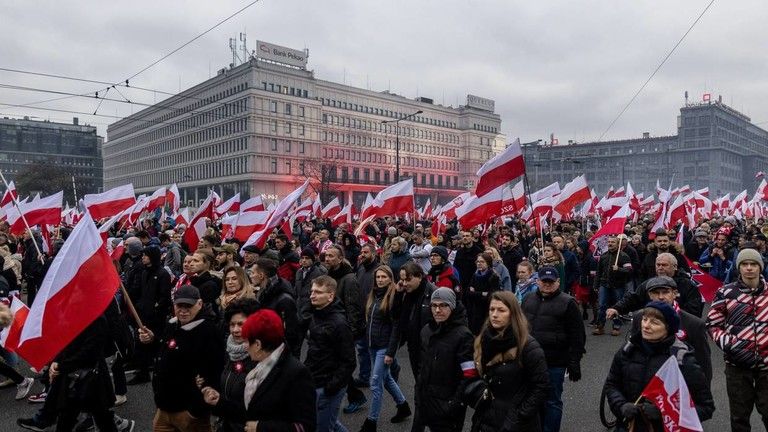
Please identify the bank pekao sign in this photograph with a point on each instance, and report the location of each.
(480, 103)
(280, 54)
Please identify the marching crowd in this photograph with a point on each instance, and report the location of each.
(285, 337)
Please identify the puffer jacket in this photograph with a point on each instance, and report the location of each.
(446, 365)
(153, 301)
(637, 362)
(556, 323)
(381, 327)
(737, 320)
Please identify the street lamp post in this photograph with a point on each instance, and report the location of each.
(397, 140)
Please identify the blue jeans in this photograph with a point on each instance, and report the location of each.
(608, 297)
(381, 379)
(11, 359)
(363, 359)
(328, 411)
(553, 407)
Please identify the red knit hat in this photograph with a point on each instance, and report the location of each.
(266, 326)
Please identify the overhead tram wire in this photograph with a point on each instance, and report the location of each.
(669, 54)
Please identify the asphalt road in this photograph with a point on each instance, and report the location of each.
(581, 399)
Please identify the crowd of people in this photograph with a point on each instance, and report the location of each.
(286, 337)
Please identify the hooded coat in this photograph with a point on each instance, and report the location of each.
(153, 298)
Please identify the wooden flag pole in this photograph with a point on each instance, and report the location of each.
(131, 308)
(618, 251)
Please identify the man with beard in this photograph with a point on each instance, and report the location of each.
(466, 255)
(661, 244)
(274, 292)
(368, 262)
(511, 253)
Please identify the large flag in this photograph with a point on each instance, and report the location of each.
(547, 192)
(230, 205)
(332, 209)
(514, 199)
(172, 198)
(501, 169)
(77, 289)
(9, 337)
(198, 224)
(248, 223)
(704, 282)
(669, 392)
(111, 202)
(479, 210)
(37, 212)
(259, 237)
(252, 204)
(573, 194)
(395, 200)
(9, 195)
(157, 199)
(613, 226)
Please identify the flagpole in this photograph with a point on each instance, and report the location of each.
(618, 252)
(74, 190)
(131, 308)
(16, 204)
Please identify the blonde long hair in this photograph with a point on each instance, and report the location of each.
(389, 296)
(246, 290)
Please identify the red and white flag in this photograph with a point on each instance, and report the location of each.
(395, 200)
(111, 202)
(38, 212)
(172, 198)
(501, 169)
(248, 223)
(9, 337)
(344, 216)
(76, 290)
(514, 199)
(479, 210)
(182, 216)
(613, 226)
(230, 205)
(449, 209)
(9, 195)
(368, 208)
(573, 194)
(118, 251)
(669, 392)
(259, 237)
(332, 209)
(303, 211)
(197, 226)
(157, 199)
(252, 204)
(547, 192)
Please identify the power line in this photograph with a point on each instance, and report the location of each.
(669, 54)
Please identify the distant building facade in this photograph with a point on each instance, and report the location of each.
(74, 148)
(263, 128)
(716, 147)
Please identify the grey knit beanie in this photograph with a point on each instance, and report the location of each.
(446, 296)
(750, 255)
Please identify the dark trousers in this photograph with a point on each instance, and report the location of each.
(118, 375)
(746, 389)
(10, 372)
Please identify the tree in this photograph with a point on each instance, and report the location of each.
(44, 177)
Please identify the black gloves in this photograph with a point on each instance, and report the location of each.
(650, 411)
(574, 372)
(629, 410)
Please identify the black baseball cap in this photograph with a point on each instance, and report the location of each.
(548, 273)
(187, 295)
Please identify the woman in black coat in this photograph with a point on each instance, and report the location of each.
(514, 380)
(278, 393)
(484, 282)
(638, 361)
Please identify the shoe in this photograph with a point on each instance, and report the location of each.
(139, 378)
(394, 370)
(38, 398)
(368, 426)
(355, 406)
(32, 424)
(598, 331)
(22, 390)
(359, 383)
(615, 332)
(124, 425)
(7, 383)
(403, 412)
(120, 399)
(86, 425)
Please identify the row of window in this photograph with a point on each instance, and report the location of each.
(407, 146)
(385, 113)
(485, 128)
(287, 145)
(358, 156)
(284, 89)
(287, 128)
(389, 128)
(287, 109)
(207, 170)
(375, 176)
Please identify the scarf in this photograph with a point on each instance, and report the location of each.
(236, 351)
(494, 343)
(259, 373)
(226, 298)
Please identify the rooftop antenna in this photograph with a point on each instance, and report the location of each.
(244, 47)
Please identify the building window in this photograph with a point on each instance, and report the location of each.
(274, 125)
(356, 175)
(301, 147)
(288, 128)
(344, 174)
(273, 166)
(287, 109)
(301, 111)
(301, 130)
(288, 167)
(287, 146)
(273, 106)
(301, 168)
(273, 144)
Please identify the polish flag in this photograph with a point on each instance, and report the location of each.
(547, 192)
(368, 208)
(762, 190)
(704, 192)
(9, 195)
(78, 287)
(172, 197)
(43, 211)
(259, 237)
(135, 212)
(438, 226)
(542, 207)
(317, 206)
(230, 205)
(197, 226)
(182, 216)
(9, 337)
(395, 200)
(248, 223)
(252, 204)
(426, 211)
(573, 194)
(479, 210)
(514, 199)
(739, 200)
(118, 251)
(303, 211)
(106, 226)
(157, 199)
(502, 169)
(111, 202)
(332, 209)
(449, 210)
(613, 226)
(663, 194)
(669, 392)
(344, 216)
(676, 212)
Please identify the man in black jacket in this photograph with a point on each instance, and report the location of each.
(614, 270)
(191, 346)
(412, 303)
(309, 270)
(511, 254)
(368, 262)
(556, 323)
(466, 255)
(274, 292)
(330, 352)
(572, 266)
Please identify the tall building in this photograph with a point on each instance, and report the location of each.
(76, 149)
(267, 125)
(715, 146)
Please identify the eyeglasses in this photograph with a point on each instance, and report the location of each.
(439, 306)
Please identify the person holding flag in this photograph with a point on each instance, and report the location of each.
(633, 390)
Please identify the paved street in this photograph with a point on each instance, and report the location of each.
(581, 399)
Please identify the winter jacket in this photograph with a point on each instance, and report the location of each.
(606, 277)
(277, 296)
(153, 301)
(348, 292)
(637, 362)
(523, 288)
(420, 255)
(718, 267)
(185, 352)
(555, 321)
(210, 289)
(465, 263)
(738, 322)
(288, 264)
(477, 301)
(511, 258)
(505, 280)
(516, 385)
(648, 269)
(397, 260)
(572, 270)
(173, 258)
(302, 287)
(232, 389)
(689, 300)
(414, 313)
(447, 364)
(444, 276)
(365, 278)
(331, 349)
(381, 326)
(283, 402)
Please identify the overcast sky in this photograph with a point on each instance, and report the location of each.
(562, 67)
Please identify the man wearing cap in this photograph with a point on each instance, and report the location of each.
(696, 247)
(692, 331)
(738, 323)
(447, 364)
(225, 256)
(250, 255)
(555, 322)
(190, 347)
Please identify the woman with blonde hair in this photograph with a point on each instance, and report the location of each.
(235, 285)
(382, 344)
(514, 380)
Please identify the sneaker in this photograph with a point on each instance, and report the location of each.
(86, 425)
(32, 424)
(7, 383)
(355, 406)
(120, 399)
(22, 390)
(124, 425)
(38, 398)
